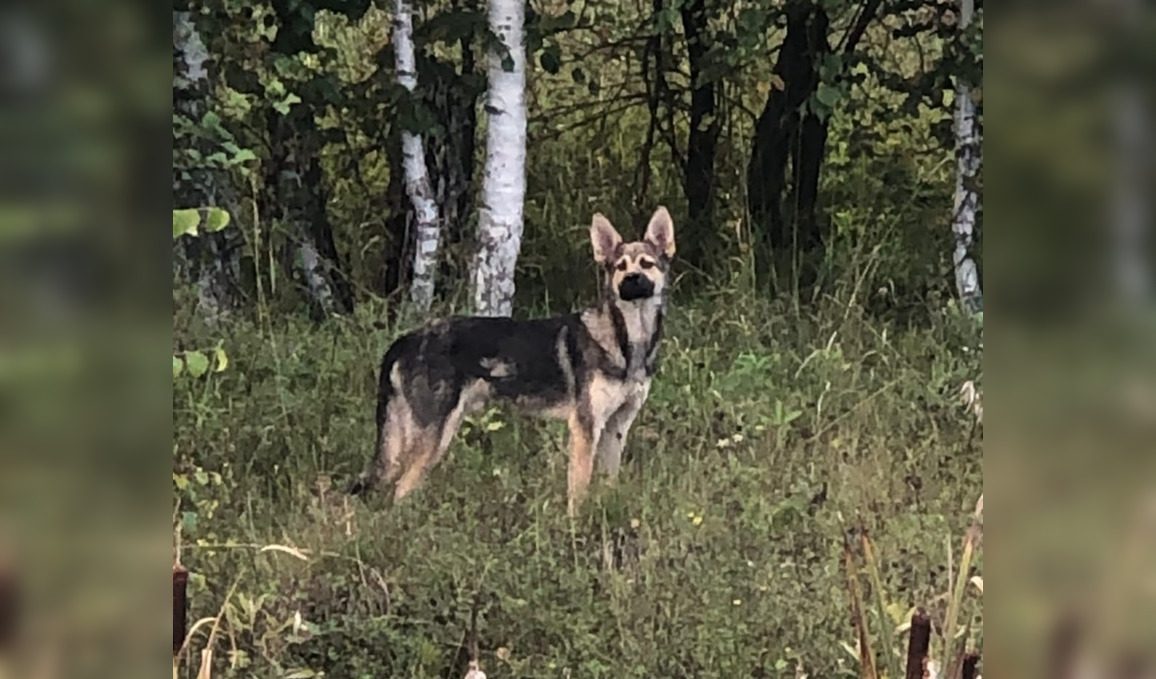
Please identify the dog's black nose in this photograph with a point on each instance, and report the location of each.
(635, 286)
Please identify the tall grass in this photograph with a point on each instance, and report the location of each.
(717, 554)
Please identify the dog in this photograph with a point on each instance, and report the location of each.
(592, 369)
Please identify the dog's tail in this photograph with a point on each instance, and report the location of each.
(385, 393)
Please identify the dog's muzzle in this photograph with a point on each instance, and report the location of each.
(635, 286)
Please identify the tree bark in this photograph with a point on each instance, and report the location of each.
(966, 208)
(702, 140)
(781, 132)
(784, 130)
(208, 260)
(298, 195)
(297, 205)
(504, 182)
(452, 95)
(417, 184)
(396, 251)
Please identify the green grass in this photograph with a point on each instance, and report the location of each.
(718, 553)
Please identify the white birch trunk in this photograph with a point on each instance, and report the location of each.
(504, 181)
(193, 54)
(311, 271)
(191, 74)
(417, 184)
(966, 206)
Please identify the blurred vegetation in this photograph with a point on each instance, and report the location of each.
(812, 369)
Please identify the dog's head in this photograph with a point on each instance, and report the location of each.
(638, 270)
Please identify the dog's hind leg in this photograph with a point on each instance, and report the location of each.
(394, 441)
(418, 462)
(394, 427)
(430, 446)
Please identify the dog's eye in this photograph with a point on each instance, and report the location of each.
(647, 264)
(621, 265)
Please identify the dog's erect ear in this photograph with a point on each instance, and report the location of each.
(604, 239)
(660, 232)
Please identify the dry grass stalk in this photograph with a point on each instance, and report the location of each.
(867, 669)
(891, 663)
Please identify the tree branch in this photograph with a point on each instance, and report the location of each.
(862, 21)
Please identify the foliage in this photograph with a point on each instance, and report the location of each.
(191, 223)
(328, 64)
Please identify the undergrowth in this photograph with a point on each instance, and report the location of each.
(769, 435)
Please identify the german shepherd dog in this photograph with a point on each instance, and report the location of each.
(591, 369)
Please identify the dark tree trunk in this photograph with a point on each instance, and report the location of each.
(452, 96)
(397, 224)
(783, 132)
(297, 181)
(806, 163)
(296, 198)
(321, 229)
(702, 140)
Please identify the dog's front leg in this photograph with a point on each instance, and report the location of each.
(582, 447)
(613, 438)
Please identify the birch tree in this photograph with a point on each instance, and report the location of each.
(504, 180)
(417, 184)
(966, 207)
(200, 259)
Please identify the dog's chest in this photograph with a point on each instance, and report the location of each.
(608, 395)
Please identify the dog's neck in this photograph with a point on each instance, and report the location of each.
(641, 316)
(633, 331)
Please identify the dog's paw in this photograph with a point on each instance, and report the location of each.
(359, 486)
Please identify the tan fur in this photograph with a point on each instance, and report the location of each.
(581, 464)
(424, 448)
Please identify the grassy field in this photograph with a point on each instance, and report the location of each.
(769, 434)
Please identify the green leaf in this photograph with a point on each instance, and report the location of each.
(178, 366)
(216, 220)
(211, 121)
(197, 363)
(828, 95)
(450, 27)
(554, 24)
(221, 359)
(551, 60)
(185, 222)
(666, 19)
(242, 156)
(831, 67)
(285, 104)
